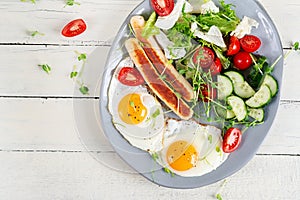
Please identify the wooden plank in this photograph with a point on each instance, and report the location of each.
(286, 18)
(50, 16)
(78, 176)
(21, 62)
(67, 125)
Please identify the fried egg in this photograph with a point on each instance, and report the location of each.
(136, 114)
(191, 149)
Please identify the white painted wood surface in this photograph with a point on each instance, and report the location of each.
(43, 117)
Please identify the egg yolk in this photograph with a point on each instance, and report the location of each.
(131, 109)
(181, 155)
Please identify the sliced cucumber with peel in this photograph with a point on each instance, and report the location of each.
(225, 113)
(235, 77)
(272, 83)
(260, 98)
(243, 90)
(225, 87)
(256, 113)
(238, 107)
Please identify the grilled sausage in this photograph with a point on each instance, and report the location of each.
(154, 80)
(161, 63)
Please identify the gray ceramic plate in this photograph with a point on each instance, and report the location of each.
(252, 138)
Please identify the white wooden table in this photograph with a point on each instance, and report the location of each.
(41, 154)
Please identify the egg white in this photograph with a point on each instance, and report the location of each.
(147, 135)
(207, 141)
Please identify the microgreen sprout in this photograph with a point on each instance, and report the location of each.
(74, 73)
(45, 67)
(295, 47)
(32, 1)
(71, 3)
(167, 170)
(218, 194)
(84, 89)
(209, 138)
(35, 33)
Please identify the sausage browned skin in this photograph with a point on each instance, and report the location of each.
(154, 81)
(161, 63)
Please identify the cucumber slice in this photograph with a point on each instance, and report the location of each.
(235, 77)
(260, 98)
(225, 87)
(272, 83)
(256, 113)
(238, 107)
(225, 113)
(243, 90)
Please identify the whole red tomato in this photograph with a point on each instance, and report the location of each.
(242, 60)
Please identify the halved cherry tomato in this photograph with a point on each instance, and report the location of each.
(203, 57)
(162, 7)
(234, 46)
(250, 43)
(216, 67)
(242, 60)
(207, 92)
(74, 28)
(231, 140)
(130, 76)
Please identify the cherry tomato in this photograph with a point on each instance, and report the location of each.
(74, 28)
(162, 7)
(234, 46)
(207, 92)
(250, 43)
(130, 76)
(242, 60)
(216, 67)
(231, 140)
(204, 57)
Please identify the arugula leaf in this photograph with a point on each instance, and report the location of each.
(150, 28)
(226, 20)
(224, 60)
(256, 73)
